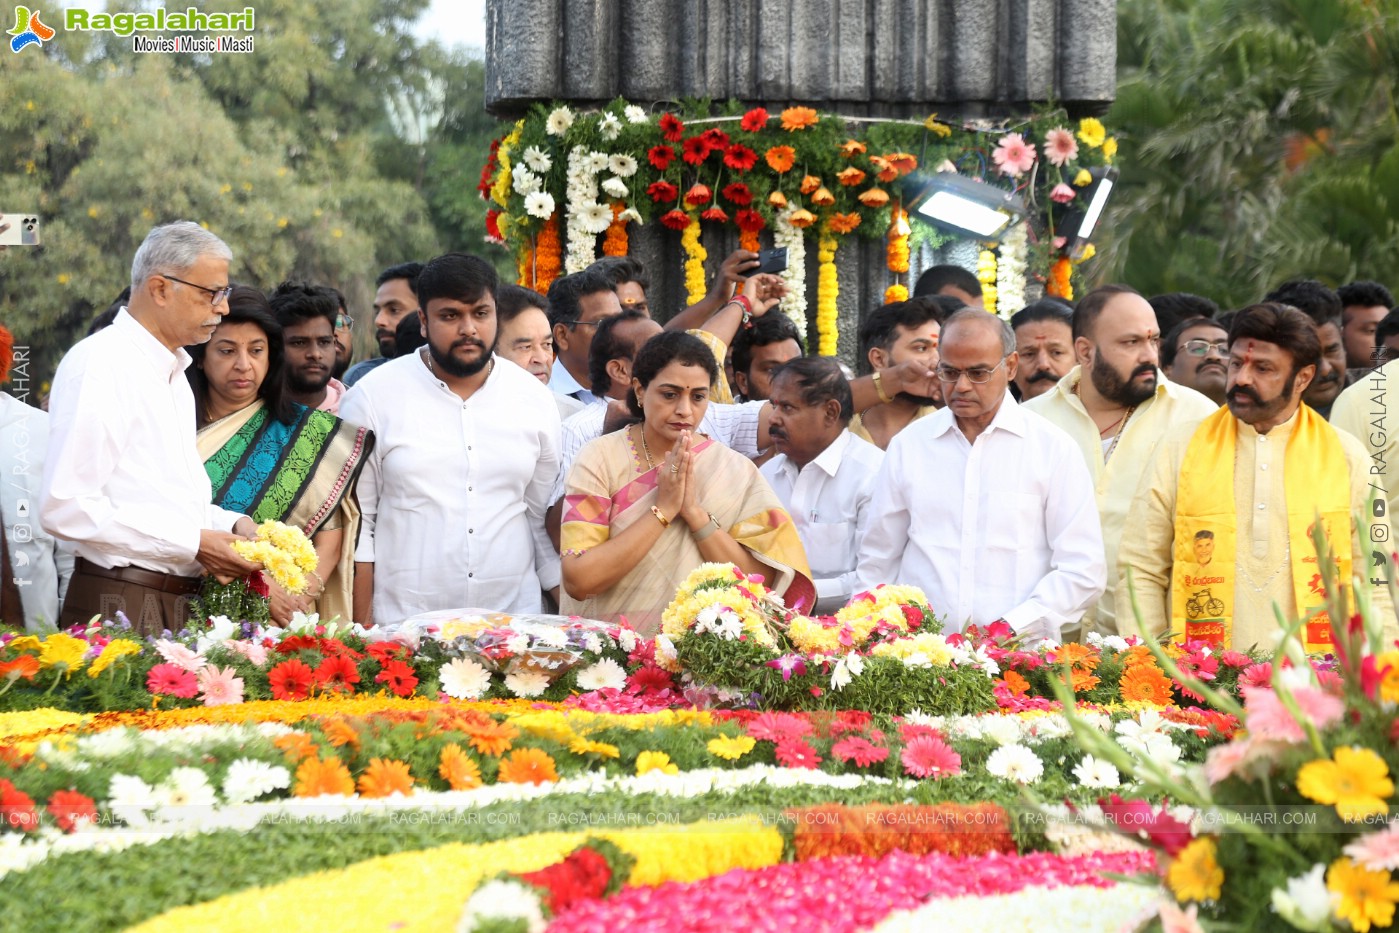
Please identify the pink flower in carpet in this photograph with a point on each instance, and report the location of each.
(1377, 851)
(1060, 146)
(795, 753)
(182, 656)
(859, 750)
(255, 652)
(1175, 920)
(220, 686)
(1268, 718)
(1257, 675)
(774, 727)
(930, 756)
(1013, 155)
(1223, 760)
(1062, 194)
(908, 731)
(789, 664)
(1144, 820)
(170, 680)
(1234, 659)
(648, 679)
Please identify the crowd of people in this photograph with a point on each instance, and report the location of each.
(522, 452)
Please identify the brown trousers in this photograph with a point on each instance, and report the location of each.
(150, 611)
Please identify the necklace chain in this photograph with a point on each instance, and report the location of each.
(1126, 417)
(645, 448)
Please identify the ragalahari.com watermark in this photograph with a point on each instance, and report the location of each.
(191, 30)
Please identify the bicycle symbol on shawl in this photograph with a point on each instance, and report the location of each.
(1204, 602)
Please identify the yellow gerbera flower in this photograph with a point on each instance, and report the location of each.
(582, 746)
(116, 648)
(1091, 132)
(1361, 897)
(731, 747)
(1355, 780)
(62, 648)
(1195, 875)
(655, 761)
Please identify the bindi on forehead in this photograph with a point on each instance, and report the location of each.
(1248, 352)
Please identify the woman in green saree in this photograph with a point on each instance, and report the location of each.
(273, 459)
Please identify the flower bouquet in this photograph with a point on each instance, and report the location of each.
(287, 557)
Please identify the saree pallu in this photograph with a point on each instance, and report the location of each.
(610, 487)
(301, 474)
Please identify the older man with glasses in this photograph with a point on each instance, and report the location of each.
(1195, 354)
(987, 507)
(123, 481)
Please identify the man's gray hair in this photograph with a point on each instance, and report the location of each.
(175, 247)
(976, 315)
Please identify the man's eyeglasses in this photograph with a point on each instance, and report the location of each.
(345, 321)
(977, 375)
(217, 296)
(581, 323)
(1199, 347)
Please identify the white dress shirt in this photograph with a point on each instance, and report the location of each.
(561, 382)
(577, 430)
(453, 497)
(39, 567)
(123, 480)
(1003, 528)
(829, 503)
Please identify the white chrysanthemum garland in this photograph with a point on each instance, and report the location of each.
(585, 217)
(1010, 270)
(793, 304)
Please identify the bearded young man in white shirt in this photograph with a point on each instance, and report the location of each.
(823, 474)
(987, 507)
(123, 480)
(465, 456)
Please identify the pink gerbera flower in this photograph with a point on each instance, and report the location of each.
(1268, 718)
(774, 727)
(929, 756)
(221, 686)
(1377, 851)
(795, 753)
(182, 656)
(1256, 675)
(1060, 146)
(169, 680)
(1062, 194)
(1013, 155)
(859, 750)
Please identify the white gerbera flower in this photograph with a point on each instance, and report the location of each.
(1015, 763)
(559, 122)
(526, 684)
(626, 638)
(517, 644)
(615, 188)
(248, 779)
(595, 162)
(524, 181)
(503, 901)
(606, 674)
(592, 642)
(596, 218)
(464, 679)
(609, 126)
(187, 787)
(621, 165)
(1003, 730)
(540, 204)
(538, 160)
(634, 114)
(129, 798)
(630, 216)
(1094, 773)
(108, 743)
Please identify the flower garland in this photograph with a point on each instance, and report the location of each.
(895, 293)
(615, 242)
(695, 255)
(548, 256)
(1060, 284)
(986, 275)
(827, 291)
(787, 235)
(1010, 270)
(586, 217)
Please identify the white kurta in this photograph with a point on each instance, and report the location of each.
(454, 495)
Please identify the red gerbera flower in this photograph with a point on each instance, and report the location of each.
(740, 157)
(383, 651)
(399, 676)
(69, 808)
(929, 756)
(484, 185)
(754, 120)
(795, 753)
(675, 220)
(696, 150)
(493, 225)
(169, 680)
(698, 194)
(649, 679)
(17, 808)
(750, 221)
(296, 643)
(661, 157)
(716, 138)
(258, 584)
(777, 727)
(738, 193)
(291, 680)
(715, 214)
(338, 673)
(662, 192)
(859, 750)
(671, 127)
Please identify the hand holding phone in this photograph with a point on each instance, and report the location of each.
(772, 261)
(19, 230)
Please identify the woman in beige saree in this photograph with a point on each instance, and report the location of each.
(646, 505)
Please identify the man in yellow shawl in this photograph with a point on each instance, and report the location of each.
(1252, 479)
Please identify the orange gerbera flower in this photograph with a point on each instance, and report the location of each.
(527, 766)
(1082, 680)
(902, 162)
(777, 199)
(26, 666)
(851, 148)
(850, 177)
(297, 745)
(1145, 683)
(798, 118)
(1018, 685)
(491, 738)
(883, 170)
(781, 158)
(822, 197)
(874, 197)
(458, 768)
(1080, 657)
(384, 777)
(317, 776)
(339, 733)
(810, 183)
(802, 218)
(844, 223)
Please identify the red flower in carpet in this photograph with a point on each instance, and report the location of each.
(671, 127)
(740, 158)
(583, 875)
(738, 193)
(384, 651)
(69, 808)
(696, 150)
(169, 680)
(649, 679)
(715, 214)
(399, 676)
(795, 753)
(1141, 818)
(661, 157)
(258, 584)
(859, 750)
(750, 221)
(850, 720)
(295, 643)
(755, 120)
(715, 138)
(337, 673)
(291, 680)
(675, 220)
(662, 192)
(777, 727)
(17, 808)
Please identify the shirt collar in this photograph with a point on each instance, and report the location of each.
(1065, 387)
(170, 364)
(562, 381)
(1280, 432)
(1009, 417)
(829, 459)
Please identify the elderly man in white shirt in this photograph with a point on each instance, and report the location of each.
(466, 454)
(123, 480)
(987, 507)
(823, 474)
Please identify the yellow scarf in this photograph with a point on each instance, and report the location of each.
(1316, 479)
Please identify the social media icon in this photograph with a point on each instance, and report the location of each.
(21, 559)
(1376, 581)
(22, 533)
(1379, 508)
(21, 508)
(1378, 558)
(1379, 533)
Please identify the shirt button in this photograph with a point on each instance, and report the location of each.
(471, 574)
(1261, 506)
(1264, 467)
(471, 531)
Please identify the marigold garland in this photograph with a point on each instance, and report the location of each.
(548, 255)
(897, 251)
(695, 256)
(874, 831)
(827, 291)
(1060, 285)
(614, 243)
(986, 275)
(894, 293)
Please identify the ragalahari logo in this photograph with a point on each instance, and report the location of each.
(29, 30)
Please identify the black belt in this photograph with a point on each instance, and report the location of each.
(151, 579)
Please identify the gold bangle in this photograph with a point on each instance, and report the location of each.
(660, 516)
(710, 527)
(884, 397)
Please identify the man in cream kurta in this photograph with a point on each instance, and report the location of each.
(1117, 405)
(1263, 547)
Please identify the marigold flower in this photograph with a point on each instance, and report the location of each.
(671, 127)
(874, 197)
(755, 120)
(1194, 874)
(316, 777)
(527, 766)
(798, 118)
(458, 768)
(385, 777)
(740, 158)
(675, 220)
(781, 158)
(698, 194)
(661, 157)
